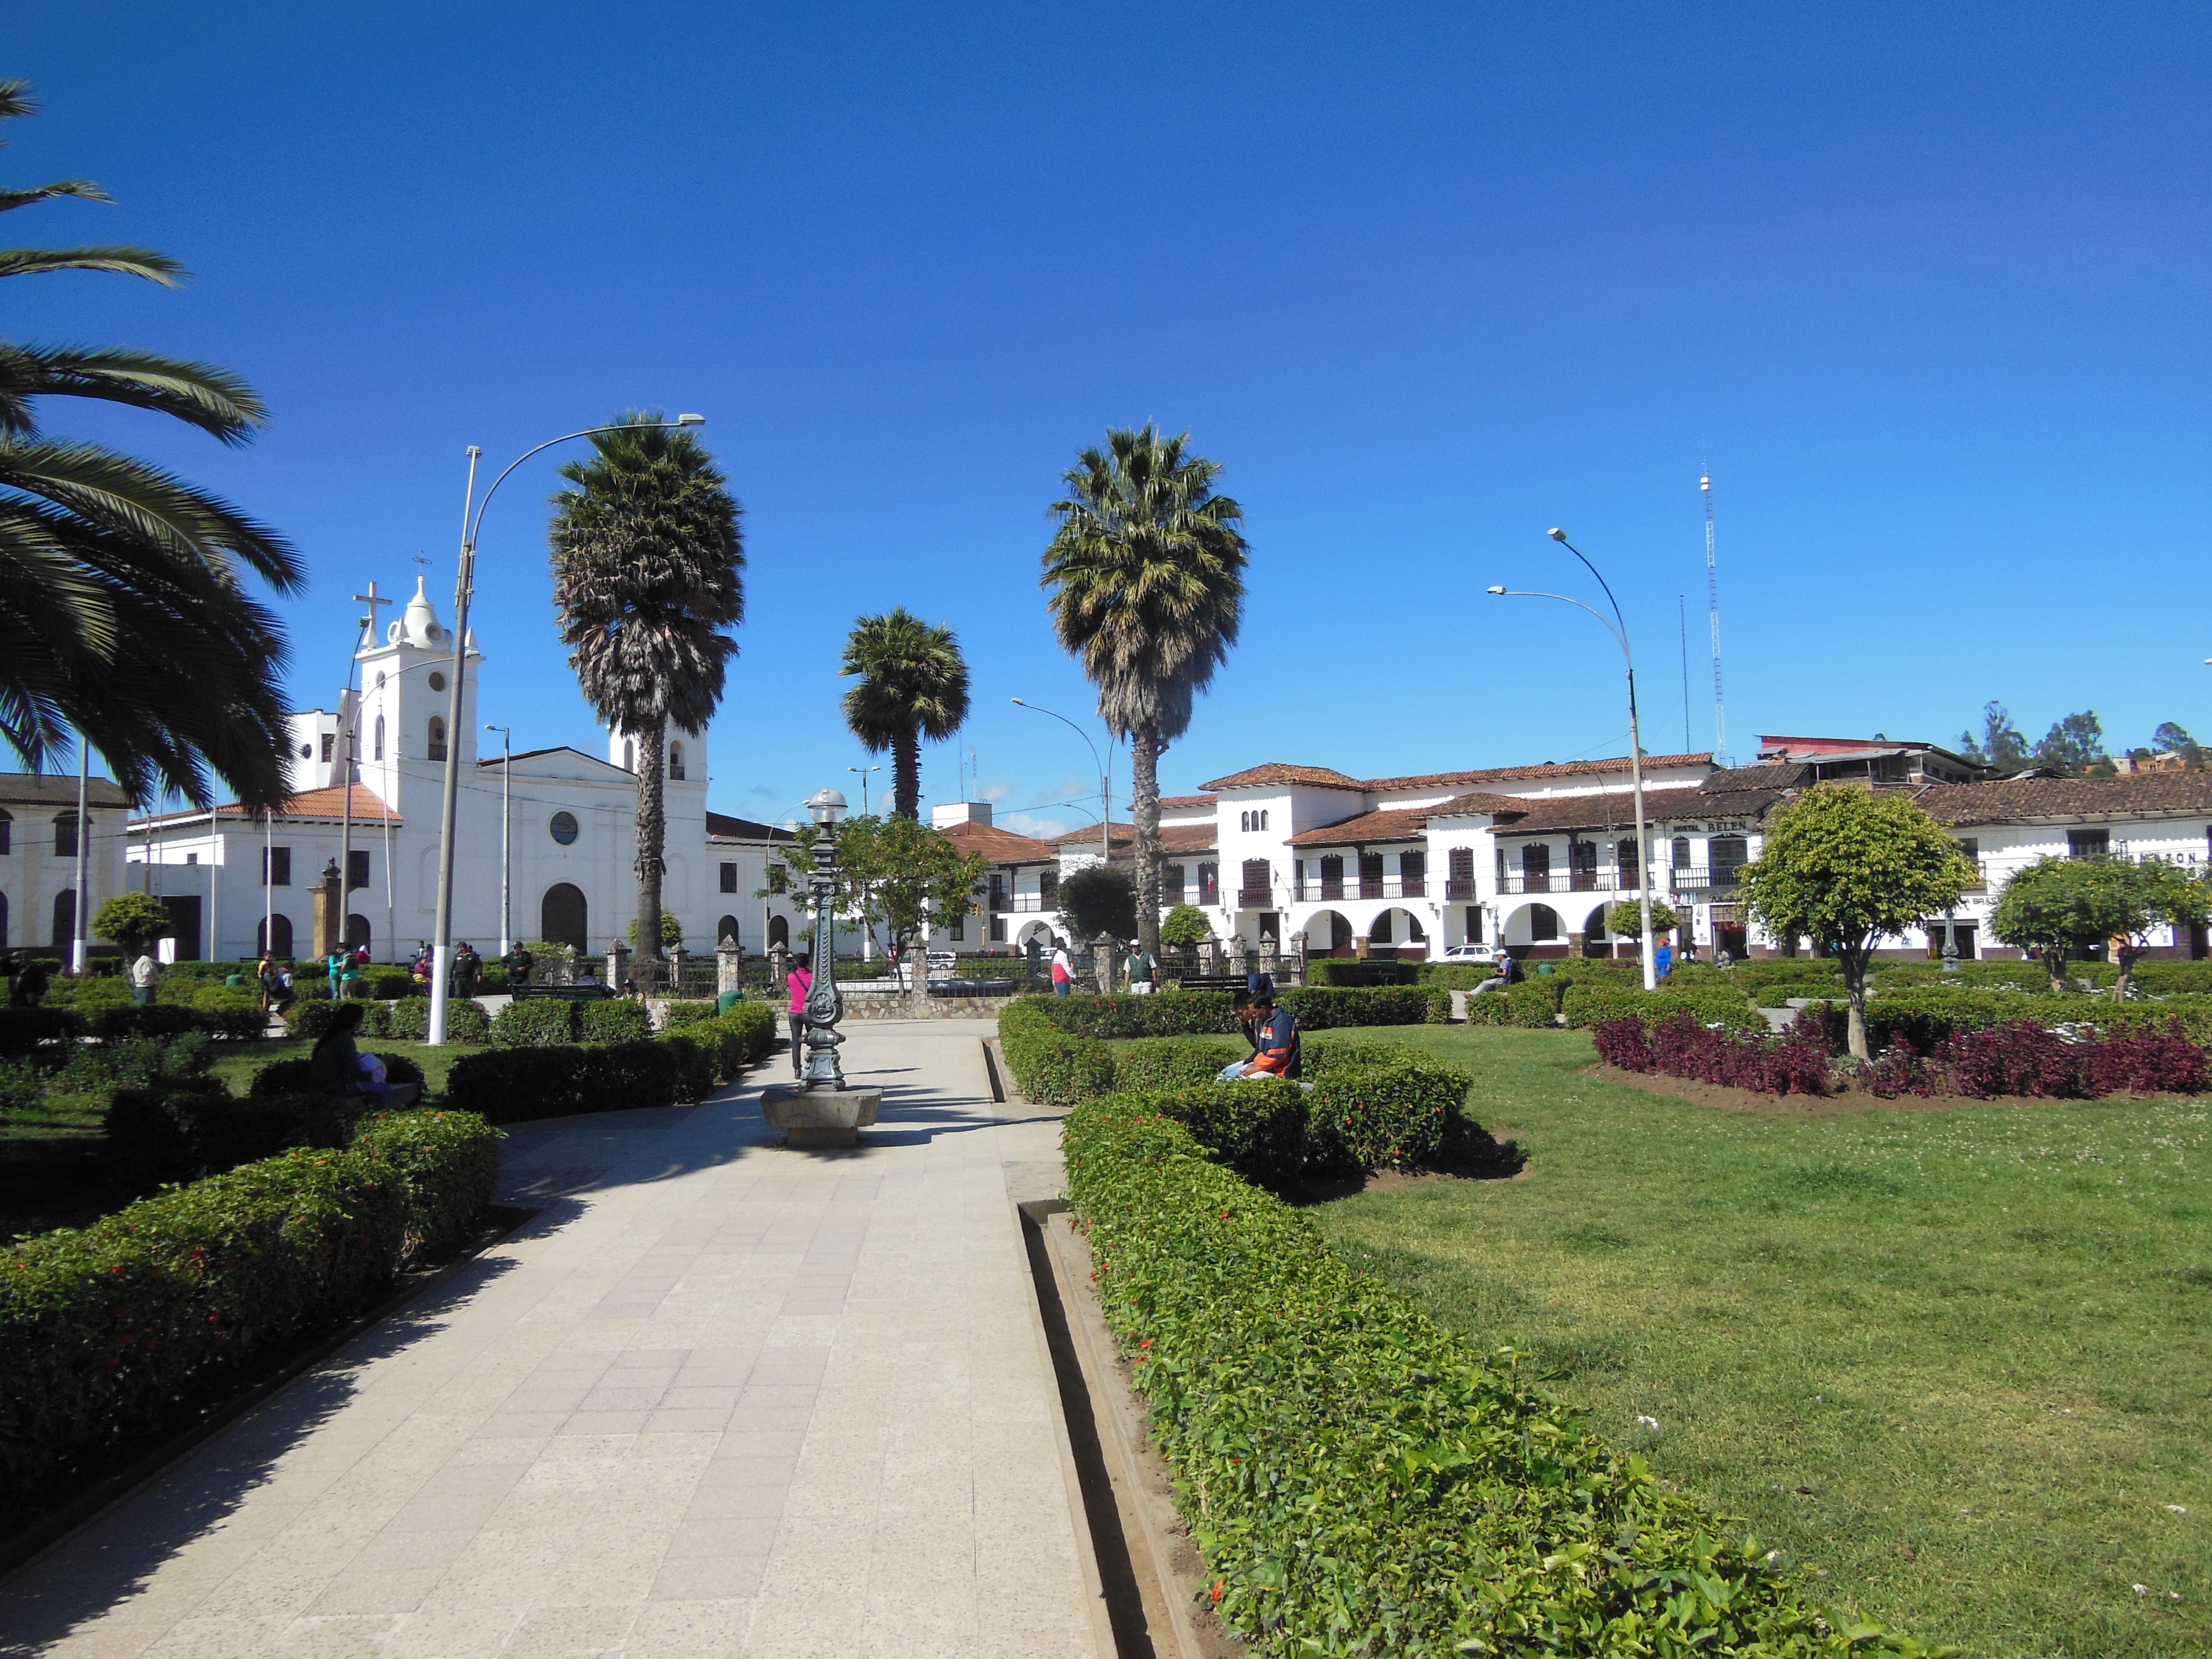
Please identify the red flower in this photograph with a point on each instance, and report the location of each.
(1219, 1586)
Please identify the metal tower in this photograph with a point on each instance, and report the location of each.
(1713, 608)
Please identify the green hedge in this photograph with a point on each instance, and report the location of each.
(1388, 1116)
(27, 1031)
(535, 1022)
(1359, 1480)
(1925, 1015)
(310, 1020)
(1259, 1128)
(1052, 1066)
(613, 1020)
(510, 1085)
(121, 1327)
(180, 1128)
(1175, 1062)
(1587, 1007)
(1349, 971)
(410, 1020)
(673, 1014)
(449, 1163)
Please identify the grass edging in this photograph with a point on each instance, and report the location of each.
(1357, 1479)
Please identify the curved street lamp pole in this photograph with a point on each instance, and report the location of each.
(1618, 629)
(472, 512)
(1105, 781)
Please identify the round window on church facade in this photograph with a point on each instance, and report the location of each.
(564, 827)
(437, 681)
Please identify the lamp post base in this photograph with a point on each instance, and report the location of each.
(814, 1117)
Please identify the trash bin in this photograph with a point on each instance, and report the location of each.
(724, 1002)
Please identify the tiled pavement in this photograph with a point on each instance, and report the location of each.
(720, 1398)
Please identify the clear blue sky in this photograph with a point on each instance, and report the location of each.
(1925, 285)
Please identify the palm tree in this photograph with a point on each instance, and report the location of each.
(1147, 575)
(646, 554)
(122, 612)
(913, 685)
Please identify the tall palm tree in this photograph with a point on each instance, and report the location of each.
(647, 556)
(122, 609)
(1147, 575)
(913, 685)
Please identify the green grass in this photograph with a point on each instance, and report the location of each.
(237, 1069)
(1960, 1360)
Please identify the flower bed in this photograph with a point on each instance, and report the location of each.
(2022, 1058)
(116, 1329)
(1359, 1480)
(1681, 1045)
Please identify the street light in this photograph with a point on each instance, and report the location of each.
(463, 591)
(864, 771)
(824, 1005)
(1618, 629)
(1105, 781)
(506, 830)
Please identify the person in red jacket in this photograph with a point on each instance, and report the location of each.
(800, 981)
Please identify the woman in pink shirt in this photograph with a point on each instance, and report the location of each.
(800, 980)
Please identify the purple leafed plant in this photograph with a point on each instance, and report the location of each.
(1681, 1046)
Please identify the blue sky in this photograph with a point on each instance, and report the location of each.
(1924, 286)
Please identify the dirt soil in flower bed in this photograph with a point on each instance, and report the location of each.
(1843, 1100)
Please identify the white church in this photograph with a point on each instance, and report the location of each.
(234, 882)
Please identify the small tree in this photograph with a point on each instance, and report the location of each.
(2057, 907)
(1100, 899)
(1185, 928)
(2074, 745)
(1851, 868)
(892, 872)
(130, 919)
(1626, 919)
(671, 931)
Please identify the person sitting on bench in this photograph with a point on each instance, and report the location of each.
(1273, 1034)
(341, 1068)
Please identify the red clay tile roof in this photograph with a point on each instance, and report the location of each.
(1185, 802)
(1404, 823)
(328, 803)
(1283, 772)
(1544, 769)
(2153, 794)
(1001, 846)
(1615, 810)
(1185, 838)
(58, 789)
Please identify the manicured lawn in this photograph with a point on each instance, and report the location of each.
(1961, 1360)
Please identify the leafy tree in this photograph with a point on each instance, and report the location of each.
(132, 920)
(671, 930)
(1100, 898)
(893, 872)
(1185, 927)
(647, 556)
(2001, 745)
(122, 608)
(1147, 575)
(1626, 919)
(2073, 746)
(913, 685)
(2173, 738)
(1851, 867)
(2059, 907)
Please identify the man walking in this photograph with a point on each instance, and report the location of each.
(145, 977)
(518, 962)
(468, 966)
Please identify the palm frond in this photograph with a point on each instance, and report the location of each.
(212, 399)
(83, 189)
(123, 261)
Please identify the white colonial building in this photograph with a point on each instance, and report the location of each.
(237, 881)
(1533, 858)
(39, 857)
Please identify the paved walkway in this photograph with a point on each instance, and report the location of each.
(720, 1398)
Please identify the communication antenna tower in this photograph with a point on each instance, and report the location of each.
(1713, 610)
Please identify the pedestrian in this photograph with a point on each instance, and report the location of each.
(145, 977)
(335, 966)
(518, 964)
(1063, 969)
(1144, 970)
(27, 981)
(276, 995)
(1662, 959)
(468, 968)
(800, 981)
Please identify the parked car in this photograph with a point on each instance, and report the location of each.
(1483, 953)
(942, 963)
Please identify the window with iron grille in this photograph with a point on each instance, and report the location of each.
(356, 870)
(729, 878)
(275, 866)
(2088, 843)
(1209, 884)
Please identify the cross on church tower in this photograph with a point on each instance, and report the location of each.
(374, 601)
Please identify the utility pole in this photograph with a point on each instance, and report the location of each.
(1713, 610)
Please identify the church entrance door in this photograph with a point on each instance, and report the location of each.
(562, 917)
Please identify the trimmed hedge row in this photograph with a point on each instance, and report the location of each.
(561, 1080)
(1925, 1016)
(115, 1330)
(23, 1031)
(1358, 1480)
(1213, 1013)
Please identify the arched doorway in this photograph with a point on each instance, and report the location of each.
(64, 913)
(1329, 934)
(563, 916)
(1532, 930)
(1397, 933)
(358, 934)
(779, 932)
(272, 937)
(727, 928)
(1595, 942)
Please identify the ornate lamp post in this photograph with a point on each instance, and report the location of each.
(824, 1007)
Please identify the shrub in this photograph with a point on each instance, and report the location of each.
(1052, 1066)
(448, 1163)
(1257, 1128)
(1390, 1117)
(695, 1063)
(180, 1130)
(673, 1014)
(1587, 1006)
(613, 1021)
(1170, 1014)
(311, 1020)
(2164, 978)
(135, 1063)
(1490, 1007)
(409, 1019)
(1680, 1045)
(1535, 1002)
(534, 1023)
(297, 1077)
(22, 1088)
(1347, 971)
(1174, 1062)
(27, 1031)
(1451, 976)
(509, 1086)
(1322, 1007)
(1352, 1472)
(755, 1027)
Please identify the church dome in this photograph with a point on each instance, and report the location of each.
(420, 626)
